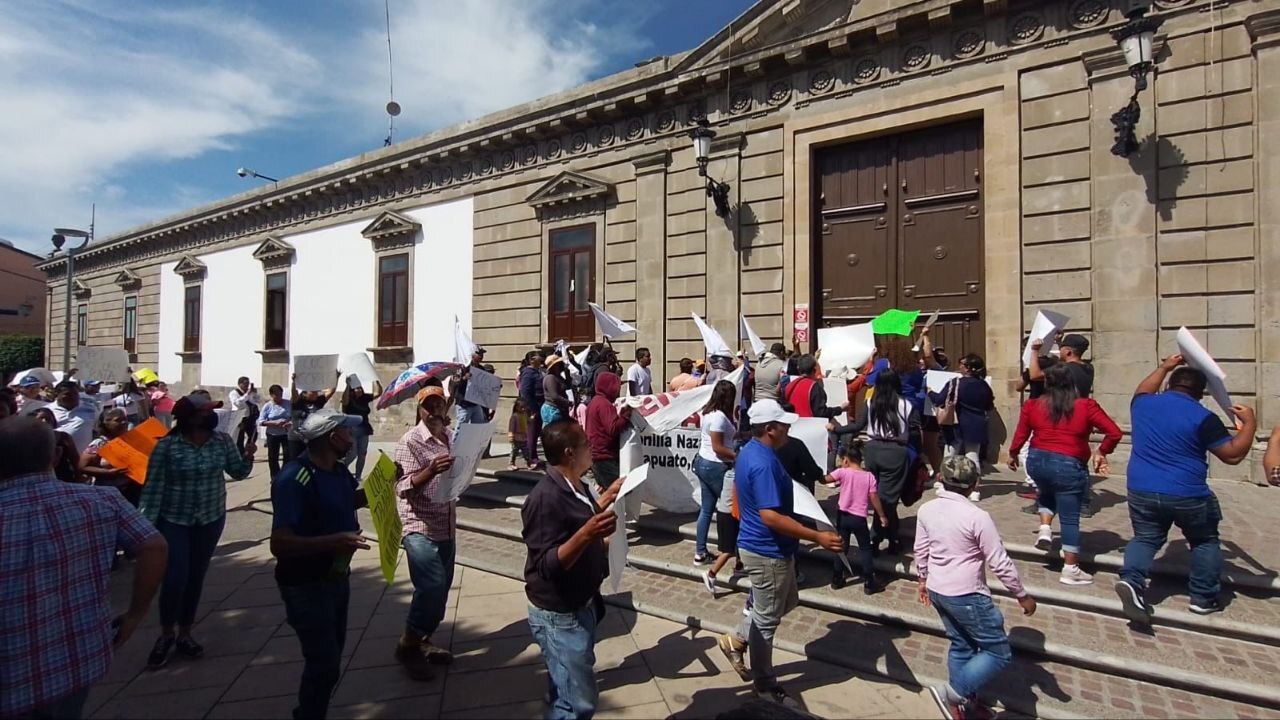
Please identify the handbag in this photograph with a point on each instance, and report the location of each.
(947, 413)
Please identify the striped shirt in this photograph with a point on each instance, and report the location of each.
(418, 512)
(57, 541)
(186, 484)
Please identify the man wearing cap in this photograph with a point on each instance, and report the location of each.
(29, 392)
(955, 542)
(1071, 348)
(74, 417)
(423, 457)
(469, 412)
(313, 535)
(768, 540)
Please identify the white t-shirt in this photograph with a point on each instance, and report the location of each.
(715, 422)
(77, 422)
(641, 379)
(128, 402)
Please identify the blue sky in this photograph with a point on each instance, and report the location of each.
(149, 108)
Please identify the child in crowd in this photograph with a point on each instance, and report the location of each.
(857, 491)
(726, 534)
(517, 432)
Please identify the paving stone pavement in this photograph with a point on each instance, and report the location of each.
(648, 667)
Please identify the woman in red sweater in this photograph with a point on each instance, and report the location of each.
(1059, 423)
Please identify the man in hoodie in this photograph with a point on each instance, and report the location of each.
(769, 372)
(605, 425)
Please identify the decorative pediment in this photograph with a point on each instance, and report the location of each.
(80, 290)
(127, 279)
(190, 268)
(391, 230)
(274, 252)
(569, 187)
(771, 23)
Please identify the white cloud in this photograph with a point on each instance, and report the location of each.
(92, 91)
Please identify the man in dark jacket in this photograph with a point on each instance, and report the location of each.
(605, 426)
(529, 387)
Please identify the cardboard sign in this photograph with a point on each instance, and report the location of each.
(483, 389)
(469, 445)
(359, 365)
(1196, 356)
(315, 372)
(133, 449)
(104, 364)
(380, 487)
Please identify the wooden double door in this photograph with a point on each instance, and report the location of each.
(899, 225)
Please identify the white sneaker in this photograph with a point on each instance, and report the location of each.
(1044, 538)
(974, 496)
(1073, 575)
(710, 581)
(937, 486)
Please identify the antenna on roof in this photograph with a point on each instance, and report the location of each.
(393, 107)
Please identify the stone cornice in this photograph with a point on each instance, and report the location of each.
(1264, 28)
(654, 103)
(127, 279)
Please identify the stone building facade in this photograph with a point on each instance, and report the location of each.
(949, 154)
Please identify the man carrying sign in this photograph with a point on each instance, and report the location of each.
(313, 535)
(470, 412)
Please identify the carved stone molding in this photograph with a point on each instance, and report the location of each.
(274, 253)
(1264, 28)
(391, 230)
(190, 269)
(127, 279)
(80, 290)
(569, 195)
(651, 163)
(1088, 13)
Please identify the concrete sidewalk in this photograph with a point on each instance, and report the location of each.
(648, 668)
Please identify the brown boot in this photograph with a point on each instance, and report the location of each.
(409, 654)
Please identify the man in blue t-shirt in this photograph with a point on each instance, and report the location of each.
(313, 535)
(768, 538)
(1168, 483)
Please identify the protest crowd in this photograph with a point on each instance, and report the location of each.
(95, 472)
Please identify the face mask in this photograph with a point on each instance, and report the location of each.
(207, 422)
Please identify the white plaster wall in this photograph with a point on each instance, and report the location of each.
(441, 277)
(232, 317)
(331, 291)
(169, 367)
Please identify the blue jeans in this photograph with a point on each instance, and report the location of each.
(472, 414)
(359, 449)
(979, 645)
(190, 550)
(568, 643)
(1152, 514)
(431, 570)
(711, 478)
(317, 612)
(1062, 482)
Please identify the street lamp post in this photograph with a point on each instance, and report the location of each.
(59, 238)
(702, 135)
(1136, 39)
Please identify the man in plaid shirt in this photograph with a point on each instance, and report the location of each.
(57, 541)
(423, 457)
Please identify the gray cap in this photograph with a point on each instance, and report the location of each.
(322, 422)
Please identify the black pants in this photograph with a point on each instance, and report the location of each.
(606, 471)
(891, 464)
(277, 444)
(317, 612)
(247, 435)
(850, 524)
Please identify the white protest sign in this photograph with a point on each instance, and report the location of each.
(315, 372)
(1196, 356)
(463, 347)
(813, 433)
(714, 343)
(927, 324)
(804, 504)
(844, 347)
(671, 484)
(618, 543)
(104, 364)
(469, 444)
(483, 389)
(610, 325)
(1046, 326)
(757, 345)
(359, 365)
(228, 420)
(837, 394)
(935, 381)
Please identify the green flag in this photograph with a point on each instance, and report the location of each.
(895, 322)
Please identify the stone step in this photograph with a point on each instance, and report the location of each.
(1187, 659)
(1032, 686)
(1254, 616)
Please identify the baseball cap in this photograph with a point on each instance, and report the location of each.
(29, 381)
(767, 411)
(322, 422)
(1076, 342)
(193, 403)
(959, 471)
(429, 391)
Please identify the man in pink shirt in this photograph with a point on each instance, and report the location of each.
(955, 541)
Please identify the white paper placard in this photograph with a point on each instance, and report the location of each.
(104, 364)
(469, 444)
(361, 366)
(935, 381)
(315, 372)
(1046, 325)
(813, 433)
(712, 339)
(837, 394)
(848, 347)
(610, 326)
(618, 541)
(483, 388)
(804, 504)
(1197, 357)
(757, 345)
(463, 347)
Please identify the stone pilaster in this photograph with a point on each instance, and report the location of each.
(724, 263)
(1264, 30)
(651, 256)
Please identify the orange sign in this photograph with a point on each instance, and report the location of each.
(131, 450)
